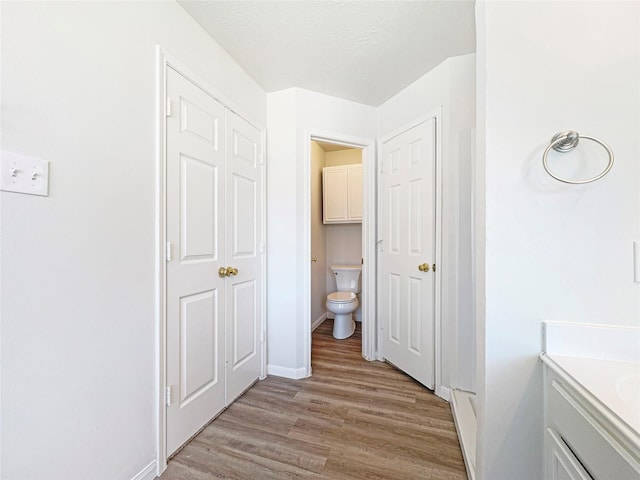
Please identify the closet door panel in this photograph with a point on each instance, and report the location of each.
(195, 164)
(244, 224)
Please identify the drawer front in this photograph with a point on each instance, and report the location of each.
(603, 457)
(560, 463)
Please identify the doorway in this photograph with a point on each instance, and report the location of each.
(366, 147)
(336, 222)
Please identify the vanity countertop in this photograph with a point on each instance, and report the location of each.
(613, 384)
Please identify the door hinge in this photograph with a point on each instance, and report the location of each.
(261, 248)
(262, 159)
(168, 107)
(168, 252)
(167, 396)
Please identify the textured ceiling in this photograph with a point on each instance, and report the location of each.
(365, 51)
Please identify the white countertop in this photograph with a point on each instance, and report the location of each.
(615, 384)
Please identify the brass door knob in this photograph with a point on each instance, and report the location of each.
(227, 272)
(424, 267)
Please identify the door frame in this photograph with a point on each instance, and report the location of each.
(165, 60)
(369, 319)
(437, 115)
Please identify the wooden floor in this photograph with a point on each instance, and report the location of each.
(352, 419)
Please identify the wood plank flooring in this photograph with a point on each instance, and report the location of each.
(352, 420)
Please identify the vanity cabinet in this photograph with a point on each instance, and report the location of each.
(342, 194)
(583, 441)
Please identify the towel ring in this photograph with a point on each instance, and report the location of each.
(565, 142)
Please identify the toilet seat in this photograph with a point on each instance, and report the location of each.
(341, 297)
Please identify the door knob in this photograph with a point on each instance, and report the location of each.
(227, 272)
(424, 267)
(231, 271)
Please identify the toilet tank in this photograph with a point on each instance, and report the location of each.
(347, 277)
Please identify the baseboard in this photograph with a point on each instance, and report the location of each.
(293, 373)
(147, 473)
(466, 425)
(318, 321)
(444, 393)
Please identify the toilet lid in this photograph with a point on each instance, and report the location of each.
(341, 296)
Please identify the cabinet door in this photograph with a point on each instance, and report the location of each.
(354, 193)
(560, 463)
(335, 199)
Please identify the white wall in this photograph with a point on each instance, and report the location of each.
(78, 267)
(450, 85)
(552, 251)
(283, 314)
(462, 102)
(292, 114)
(318, 237)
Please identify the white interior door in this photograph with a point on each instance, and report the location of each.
(244, 221)
(407, 229)
(195, 231)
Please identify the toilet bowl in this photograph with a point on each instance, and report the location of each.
(345, 301)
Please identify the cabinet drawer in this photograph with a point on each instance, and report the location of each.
(561, 464)
(603, 457)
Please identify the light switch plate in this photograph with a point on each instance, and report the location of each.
(23, 174)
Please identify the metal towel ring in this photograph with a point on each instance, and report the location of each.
(565, 142)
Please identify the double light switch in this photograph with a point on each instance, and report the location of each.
(24, 174)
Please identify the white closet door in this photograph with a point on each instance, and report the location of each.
(195, 230)
(244, 223)
(408, 240)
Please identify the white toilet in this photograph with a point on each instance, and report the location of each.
(345, 301)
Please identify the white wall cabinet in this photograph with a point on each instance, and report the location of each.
(342, 194)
